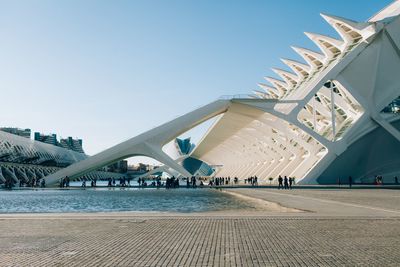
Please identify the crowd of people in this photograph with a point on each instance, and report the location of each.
(171, 182)
(64, 182)
(253, 180)
(34, 182)
(285, 183)
(123, 182)
(218, 181)
(192, 182)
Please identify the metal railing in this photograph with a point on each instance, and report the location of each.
(237, 96)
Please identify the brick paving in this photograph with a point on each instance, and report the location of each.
(199, 241)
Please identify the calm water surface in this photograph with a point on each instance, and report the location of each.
(103, 200)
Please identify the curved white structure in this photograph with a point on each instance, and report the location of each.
(23, 159)
(316, 124)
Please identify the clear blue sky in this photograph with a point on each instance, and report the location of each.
(106, 71)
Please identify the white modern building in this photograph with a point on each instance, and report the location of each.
(23, 159)
(330, 116)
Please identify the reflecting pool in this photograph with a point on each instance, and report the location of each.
(115, 199)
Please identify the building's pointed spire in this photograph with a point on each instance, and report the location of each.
(350, 30)
(312, 58)
(290, 78)
(254, 96)
(262, 94)
(271, 90)
(299, 68)
(278, 84)
(330, 46)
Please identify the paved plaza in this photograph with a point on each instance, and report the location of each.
(355, 233)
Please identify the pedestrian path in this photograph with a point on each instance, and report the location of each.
(322, 202)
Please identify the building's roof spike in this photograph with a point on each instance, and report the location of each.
(358, 26)
(289, 78)
(262, 94)
(278, 84)
(254, 96)
(330, 46)
(299, 68)
(312, 58)
(351, 31)
(269, 89)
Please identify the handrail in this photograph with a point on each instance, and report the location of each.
(237, 96)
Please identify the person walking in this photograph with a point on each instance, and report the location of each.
(350, 181)
(286, 182)
(280, 180)
(290, 182)
(396, 180)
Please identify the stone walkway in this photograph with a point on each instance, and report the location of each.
(317, 238)
(333, 203)
(378, 198)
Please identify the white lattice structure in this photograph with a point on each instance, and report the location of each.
(24, 159)
(320, 122)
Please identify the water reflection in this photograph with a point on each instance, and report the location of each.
(115, 199)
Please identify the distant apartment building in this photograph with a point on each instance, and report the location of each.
(17, 131)
(118, 167)
(72, 144)
(139, 169)
(67, 143)
(44, 138)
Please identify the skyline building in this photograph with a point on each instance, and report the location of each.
(67, 143)
(46, 138)
(72, 144)
(17, 131)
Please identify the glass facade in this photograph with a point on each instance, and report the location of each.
(393, 107)
(184, 145)
(197, 167)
